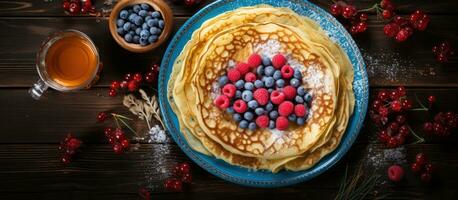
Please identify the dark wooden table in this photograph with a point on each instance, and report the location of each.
(30, 130)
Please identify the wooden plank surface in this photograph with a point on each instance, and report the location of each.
(31, 130)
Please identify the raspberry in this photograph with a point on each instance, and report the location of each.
(233, 75)
(287, 71)
(395, 173)
(262, 121)
(240, 106)
(243, 68)
(300, 110)
(222, 101)
(229, 90)
(281, 123)
(285, 108)
(262, 96)
(250, 77)
(278, 61)
(254, 60)
(289, 91)
(277, 97)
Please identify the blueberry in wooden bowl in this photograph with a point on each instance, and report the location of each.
(140, 25)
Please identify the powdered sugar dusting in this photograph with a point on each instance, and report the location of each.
(268, 49)
(315, 78)
(216, 90)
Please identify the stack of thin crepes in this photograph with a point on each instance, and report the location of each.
(232, 37)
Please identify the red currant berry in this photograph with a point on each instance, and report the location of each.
(392, 142)
(442, 58)
(66, 5)
(102, 116)
(123, 84)
(361, 27)
(336, 9)
(429, 168)
(431, 100)
(387, 14)
(74, 8)
(168, 183)
(415, 167)
(363, 17)
(128, 77)
(117, 148)
(73, 144)
(383, 111)
(425, 177)
(387, 4)
(150, 77)
(138, 77)
(396, 106)
(382, 95)
(401, 119)
(65, 159)
(383, 136)
(391, 30)
(394, 95)
(402, 35)
(186, 178)
(400, 139)
(407, 104)
(119, 134)
(395, 173)
(404, 131)
(420, 158)
(349, 11)
(428, 127)
(125, 143)
(112, 93)
(394, 126)
(402, 22)
(376, 104)
(115, 85)
(184, 168)
(108, 131)
(401, 91)
(438, 128)
(132, 86)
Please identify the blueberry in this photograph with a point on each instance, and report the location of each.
(152, 38)
(238, 94)
(136, 39)
(269, 106)
(143, 13)
(247, 95)
(148, 18)
(144, 6)
(222, 81)
(271, 124)
(154, 31)
(299, 99)
(144, 34)
(266, 61)
(280, 83)
(248, 116)
(137, 8)
(120, 31)
(145, 26)
(307, 97)
(259, 111)
(230, 110)
(277, 75)
(239, 84)
(131, 32)
(260, 70)
(300, 121)
(237, 117)
(252, 126)
(297, 74)
(138, 30)
(132, 17)
(119, 22)
(273, 114)
(128, 37)
(152, 22)
(292, 117)
(130, 11)
(269, 71)
(294, 82)
(253, 104)
(270, 90)
(301, 91)
(249, 86)
(143, 41)
(161, 24)
(243, 124)
(156, 14)
(138, 20)
(258, 84)
(269, 82)
(126, 26)
(123, 14)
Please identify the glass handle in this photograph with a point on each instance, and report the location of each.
(38, 89)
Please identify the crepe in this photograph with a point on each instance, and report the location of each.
(230, 38)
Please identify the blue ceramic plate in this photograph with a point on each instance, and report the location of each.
(245, 176)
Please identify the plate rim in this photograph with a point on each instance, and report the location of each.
(320, 167)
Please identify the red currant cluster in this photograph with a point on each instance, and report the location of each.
(421, 166)
(355, 22)
(117, 139)
(133, 82)
(387, 112)
(443, 52)
(78, 6)
(192, 2)
(69, 146)
(182, 174)
(443, 124)
(401, 28)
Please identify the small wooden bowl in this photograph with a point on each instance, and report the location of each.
(159, 6)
